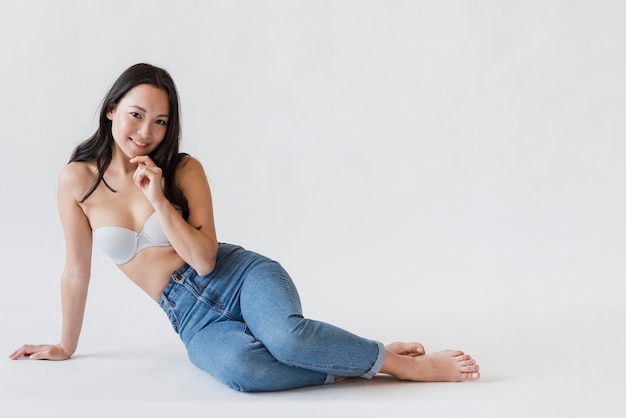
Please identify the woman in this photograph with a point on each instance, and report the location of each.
(238, 313)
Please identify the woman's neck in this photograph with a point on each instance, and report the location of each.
(120, 163)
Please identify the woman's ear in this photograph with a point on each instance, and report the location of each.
(110, 111)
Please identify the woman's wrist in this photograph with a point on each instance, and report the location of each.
(162, 205)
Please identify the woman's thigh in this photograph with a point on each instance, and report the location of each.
(229, 352)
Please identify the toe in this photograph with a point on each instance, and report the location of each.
(410, 349)
(462, 358)
(468, 368)
(470, 376)
(456, 353)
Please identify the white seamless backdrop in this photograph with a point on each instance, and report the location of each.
(451, 172)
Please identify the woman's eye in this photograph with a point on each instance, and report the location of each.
(135, 115)
(161, 122)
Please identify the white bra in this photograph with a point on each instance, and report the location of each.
(122, 244)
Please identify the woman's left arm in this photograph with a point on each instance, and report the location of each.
(195, 239)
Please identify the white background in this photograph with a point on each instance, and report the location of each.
(449, 172)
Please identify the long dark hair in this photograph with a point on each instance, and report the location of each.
(99, 146)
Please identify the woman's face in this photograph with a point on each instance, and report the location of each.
(139, 120)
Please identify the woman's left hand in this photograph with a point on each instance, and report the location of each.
(149, 178)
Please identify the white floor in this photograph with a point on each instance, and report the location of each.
(565, 362)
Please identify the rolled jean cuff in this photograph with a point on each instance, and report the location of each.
(378, 364)
(330, 379)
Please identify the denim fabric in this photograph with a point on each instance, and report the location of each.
(243, 324)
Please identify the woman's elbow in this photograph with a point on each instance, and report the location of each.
(204, 263)
(204, 269)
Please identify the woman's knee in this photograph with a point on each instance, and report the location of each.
(234, 357)
(290, 340)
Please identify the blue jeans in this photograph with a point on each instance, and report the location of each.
(243, 324)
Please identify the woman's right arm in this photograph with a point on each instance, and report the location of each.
(76, 273)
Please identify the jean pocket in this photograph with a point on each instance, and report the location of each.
(170, 310)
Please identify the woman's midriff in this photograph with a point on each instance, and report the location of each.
(151, 269)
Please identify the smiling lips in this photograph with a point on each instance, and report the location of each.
(141, 145)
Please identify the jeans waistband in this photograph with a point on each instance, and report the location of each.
(176, 278)
(185, 271)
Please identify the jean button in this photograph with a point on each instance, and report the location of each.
(178, 278)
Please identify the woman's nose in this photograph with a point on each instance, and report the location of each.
(145, 130)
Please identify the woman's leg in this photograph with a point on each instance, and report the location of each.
(260, 356)
(231, 354)
(270, 305)
(407, 361)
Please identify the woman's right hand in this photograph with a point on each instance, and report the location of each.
(41, 352)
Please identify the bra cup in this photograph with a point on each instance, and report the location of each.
(122, 244)
(118, 243)
(153, 231)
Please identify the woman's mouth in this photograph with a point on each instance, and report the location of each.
(139, 144)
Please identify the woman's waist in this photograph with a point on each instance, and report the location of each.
(182, 271)
(154, 268)
(192, 301)
(151, 269)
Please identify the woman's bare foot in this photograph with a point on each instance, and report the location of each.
(442, 366)
(406, 349)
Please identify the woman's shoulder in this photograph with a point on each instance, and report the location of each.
(189, 165)
(77, 175)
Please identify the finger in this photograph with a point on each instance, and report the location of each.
(19, 352)
(149, 173)
(23, 351)
(143, 160)
(16, 354)
(140, 175)
(40, 355)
